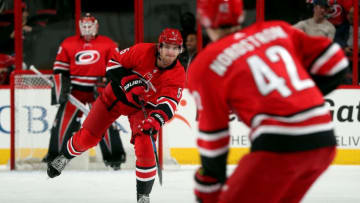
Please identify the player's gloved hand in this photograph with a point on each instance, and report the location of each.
(134, 88)
(150, 126)
(207, 188)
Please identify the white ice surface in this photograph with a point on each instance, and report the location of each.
(340, 184)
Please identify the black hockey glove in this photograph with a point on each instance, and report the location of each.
(134, 88)
(152, 124)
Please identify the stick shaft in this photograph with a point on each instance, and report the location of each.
(159, 171)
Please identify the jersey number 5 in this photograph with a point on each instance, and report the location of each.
(267, 80)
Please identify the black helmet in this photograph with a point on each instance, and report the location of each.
(324, 3)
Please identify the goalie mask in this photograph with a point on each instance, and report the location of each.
(88, 27)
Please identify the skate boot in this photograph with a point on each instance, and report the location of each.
(115, 164)
(143, 198)
(48, 158)
(56, 166)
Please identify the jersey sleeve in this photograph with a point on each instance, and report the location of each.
(213, 116)
(121, 63)
(318, 54)
(62, 61)
(170, 94)
(324, 61)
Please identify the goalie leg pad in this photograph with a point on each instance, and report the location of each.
(65, 124)
(112, 149)
(61, 89)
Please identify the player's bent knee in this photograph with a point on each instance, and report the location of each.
(144, 151)
(84, 140)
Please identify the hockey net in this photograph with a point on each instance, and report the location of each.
(31, 120)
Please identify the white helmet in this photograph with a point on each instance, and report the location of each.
(88, 27)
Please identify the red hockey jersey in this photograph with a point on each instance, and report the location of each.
(264, 74)
(85, 61)
(165, 84)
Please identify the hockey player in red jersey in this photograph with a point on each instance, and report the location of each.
(274, 78)
(144, 73)
(80, 64)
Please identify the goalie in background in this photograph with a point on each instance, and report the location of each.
(273, 76)
(147, 73)
(79, 66)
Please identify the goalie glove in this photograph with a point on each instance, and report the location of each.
(134, 88)
(207, 188)
(60, 89)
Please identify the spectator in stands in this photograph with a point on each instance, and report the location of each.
(188, 23)
(6, 66)
(337, 15)
(318, 25)
(7, 34)
(349, 45)
(190, 50)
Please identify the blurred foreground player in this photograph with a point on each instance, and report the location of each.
(144, 73)
(79, 67)
(274, 77)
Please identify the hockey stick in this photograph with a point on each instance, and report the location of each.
(71, 98)
(159, 171)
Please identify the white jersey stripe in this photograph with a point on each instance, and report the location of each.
(145, 179)
(292, 131)
(61, 63)
(212, 136)
(76, 153)
(207, 189)
(339, 66)
(112, 67)
(83, 77)
(334, 48)
(169, 106)
(145, 170)
(213, 152)
(82, 83)
(61, 68)
(322, 110)
(168, 98)
(113, 61)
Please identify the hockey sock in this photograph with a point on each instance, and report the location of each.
(80, 142)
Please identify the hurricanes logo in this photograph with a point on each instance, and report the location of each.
(336, 11)
(87, 57)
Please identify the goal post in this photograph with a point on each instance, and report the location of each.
(27, 91)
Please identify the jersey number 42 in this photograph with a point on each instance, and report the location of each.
(267, 80)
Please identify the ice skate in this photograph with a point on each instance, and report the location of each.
(56, 166)
(143, 198)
